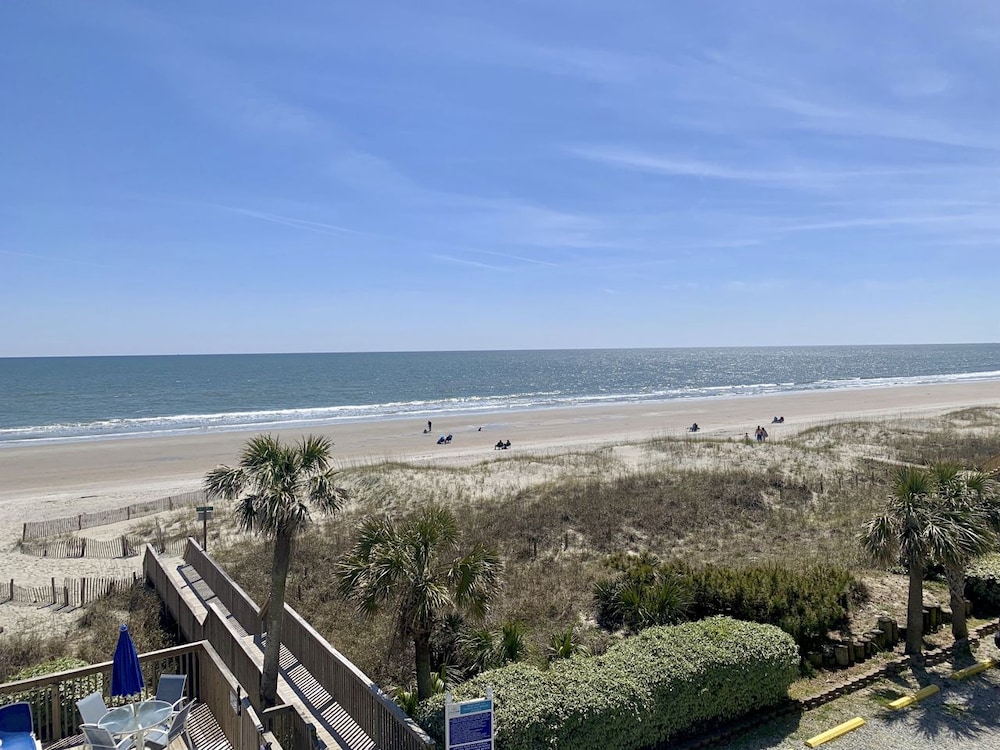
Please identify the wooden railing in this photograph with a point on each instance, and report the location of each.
(53, 697)
(385, 723)
(371, 709)
(232, 596)
(190, 627)
(292, 728)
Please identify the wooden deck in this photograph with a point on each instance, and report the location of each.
(205, 733)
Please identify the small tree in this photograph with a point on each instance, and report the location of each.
(973, 495)
(275, 485)
(914, 528)
(415, 569)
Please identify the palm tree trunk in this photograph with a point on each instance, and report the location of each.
(915, 610)
(422, 647)
(275, 617)
(956, 589)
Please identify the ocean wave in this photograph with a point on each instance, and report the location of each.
(181, 424)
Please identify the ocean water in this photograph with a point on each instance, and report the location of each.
(88, 398)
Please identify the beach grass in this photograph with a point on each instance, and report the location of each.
(556, 516)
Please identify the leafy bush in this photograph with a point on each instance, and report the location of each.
(982, 584)
(644, 690)
(643, 594)
(805, 603)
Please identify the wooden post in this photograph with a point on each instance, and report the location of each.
(79, 522)
(56, 703)
(842, 652)
(24, 532)
(83, 591)
(53, 591)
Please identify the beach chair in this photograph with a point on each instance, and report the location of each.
(17, 728)
(159, 739)
(92, 708)
(102, 739)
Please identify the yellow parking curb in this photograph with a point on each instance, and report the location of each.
(832, 734)
(974, 669)
(909, 700)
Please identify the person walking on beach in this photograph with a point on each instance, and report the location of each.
(763, 434)
(428, 425)
(759, 434)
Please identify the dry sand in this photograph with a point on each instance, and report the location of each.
(50, 481)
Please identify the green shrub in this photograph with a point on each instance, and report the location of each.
(643, 594)
(982, 584)
(805, 603)
(644, 690)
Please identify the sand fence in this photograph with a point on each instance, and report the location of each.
(71, 524)
(74, 592)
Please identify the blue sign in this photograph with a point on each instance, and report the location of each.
(469, 725)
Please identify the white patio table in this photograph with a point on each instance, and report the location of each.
(135, 719)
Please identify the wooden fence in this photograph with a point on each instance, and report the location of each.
(69, 524)
(72, 592)
(127, 545)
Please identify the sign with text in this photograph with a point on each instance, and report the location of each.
(469, 725)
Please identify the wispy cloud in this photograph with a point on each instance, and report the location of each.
(318, 227)
(684, 167)
(468, 262)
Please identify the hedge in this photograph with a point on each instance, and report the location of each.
(982, 584)
(644, 690)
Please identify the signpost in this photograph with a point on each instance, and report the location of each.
(204, 513)
(469, 725)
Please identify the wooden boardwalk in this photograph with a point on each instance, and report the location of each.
(296, 686)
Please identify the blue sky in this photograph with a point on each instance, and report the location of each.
(318, 176)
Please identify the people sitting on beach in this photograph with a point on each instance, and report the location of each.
(442, 440)
(694, 427)
(777, 420)
(501, 445)
(506, 445)
(448, 439)
(774, 420)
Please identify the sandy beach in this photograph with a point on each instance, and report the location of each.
(59, 479)
(55, 480)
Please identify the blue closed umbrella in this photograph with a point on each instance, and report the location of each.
(126, 674)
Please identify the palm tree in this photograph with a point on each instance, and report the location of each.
(416, 570)
(914, 528)
(974, 495)
(275, 485)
